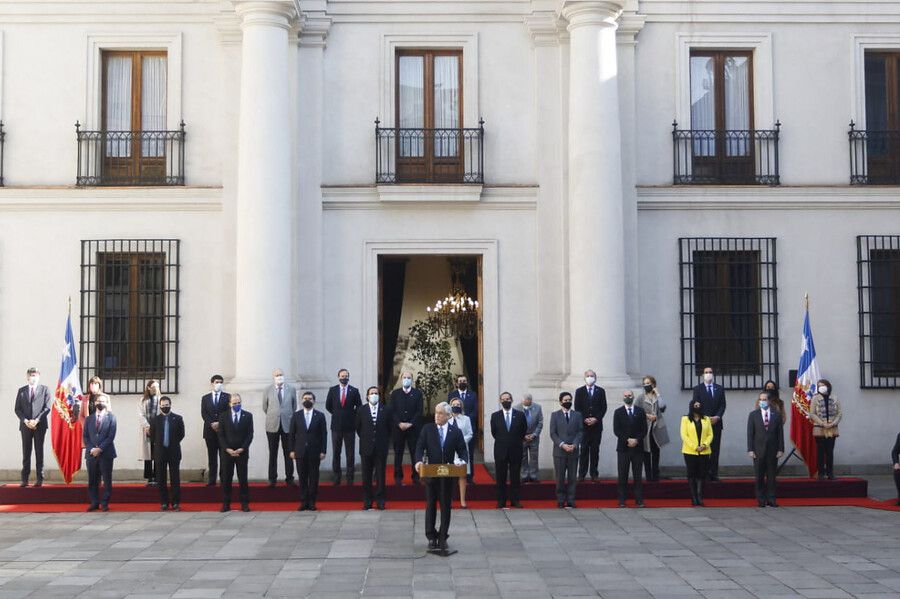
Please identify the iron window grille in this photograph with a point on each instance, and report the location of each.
(130, 293)
(130, 158)
(874, 156)
(878, 273)
(404, 155)
(726, 156)
(729, 310)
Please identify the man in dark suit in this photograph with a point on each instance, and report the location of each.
(765, 444)
(32, 407)
(406, 407)
(373, 425)
(213, 405)
(235, 436)
(508, 428)
(167, 432)
(98, 437)
(712, 397)
(566, 427)
(469, 399)
(439, 443)
(590, 402)
(309, 442)
(630, 428)
(342, 403)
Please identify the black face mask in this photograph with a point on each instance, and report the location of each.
(506, 404)
(456, 409)
(165, 410)
(308, 404)
(463, 386)
(567, 405)
(100, 407)
(344, 381)
(697, 410)
(648, 388)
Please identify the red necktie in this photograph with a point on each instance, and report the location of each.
(343, 396)
(766, 420)
(32, 394)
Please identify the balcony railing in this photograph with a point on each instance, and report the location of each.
(874, 156)
(405, 155)
(130, 157)
(2, 137)
(726, 156)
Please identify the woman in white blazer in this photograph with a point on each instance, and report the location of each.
(464, 423)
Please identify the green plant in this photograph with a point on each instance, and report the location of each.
(431, 350)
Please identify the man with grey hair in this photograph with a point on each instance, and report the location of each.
(534, 419)
(406, 403)
(32, 407)
(439, 443)
(279, 403)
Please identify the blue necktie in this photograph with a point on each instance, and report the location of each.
(507, 421)
(166, 432)
(528, 416)
(441, 432)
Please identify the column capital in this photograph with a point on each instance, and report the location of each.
(545, 28)
(274, 13)
(314, 28)
(590, 12)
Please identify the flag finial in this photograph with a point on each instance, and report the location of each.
(806, 301)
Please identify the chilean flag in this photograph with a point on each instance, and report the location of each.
(804, 389)
(65, 426)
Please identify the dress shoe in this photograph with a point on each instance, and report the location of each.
(621, 504)
(176, 507)
(594, 479)
(24, 483)
(350, 481)
(225, 508)
(211, 483)
(302, 508)
(501, 506)
(516, 504)
(821, 477)
(104, 508)
(163, 507)
(640, 504)
(572, 504)
(432, 544)
(311, 508)
(830, 477)
(336, 482)
(151, 483)
(245, 508)
(442, 544)
(773, 503)
(418, 482)
(464, 506)
(581, 479)
(761, 503)
(271, 484)
(290, 483)
(381, 506)
(714, 478)
(367, 507)
(560, 505)
(93, 507)
(39, 482)
(398, 482)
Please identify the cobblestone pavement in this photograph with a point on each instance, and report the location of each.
(684, 552)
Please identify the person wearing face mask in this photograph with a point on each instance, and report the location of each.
(895, 460)
(235, 435)
(508, 428)
(279, 403)
(147, 411)
(98, 437)
(657, 433)
(771, 387)
(373, 425)
(696, 438)
(712, 397)
(590, 402)
(566, 426)
(469, 400)
(630, 428)
(534, 417)
(32, 407)
(765, 445)
(213, 405)
(167, 432)
(406, 406)
(825, 413)
(309, 442)
(464, 424)
(342, 403)
(87, 406)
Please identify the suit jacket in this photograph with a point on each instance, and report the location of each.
(895, 452)
(314, 438)
(464, 424)
(508, 443)
(566, 432)
(819, 418)
(593, 406)
(210, 412)
(374, 439)
(104, 437)
(24, 405)
(765, 442)
(236, 437)
(626, 428)
(711, 406)
(470, 403)
(176, 433)
(406, 407)
(537, 420)
(279, 414)
(343, 418)
(429, 445)
(689, 440)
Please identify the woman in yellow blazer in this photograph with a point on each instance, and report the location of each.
(696, 438)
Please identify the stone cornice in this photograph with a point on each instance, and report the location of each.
(545, 28)
(313, 31)
(273, 13)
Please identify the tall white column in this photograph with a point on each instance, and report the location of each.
(263, 269)
(596, 220)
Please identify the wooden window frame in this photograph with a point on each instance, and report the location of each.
(883, 147)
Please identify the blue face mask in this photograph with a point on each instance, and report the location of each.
(764, 405)
(236, 408)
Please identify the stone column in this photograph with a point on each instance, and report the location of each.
(596, 219)
(263, 266)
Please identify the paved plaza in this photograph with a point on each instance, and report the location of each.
(665, 552)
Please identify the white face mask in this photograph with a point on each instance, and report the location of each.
(407, 382)
(373, 399)
(707, 377)
(217, 387)
(279, 380)
(823, 389)
(589, 380)
(33, 379)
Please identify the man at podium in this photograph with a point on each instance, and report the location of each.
(439, 443)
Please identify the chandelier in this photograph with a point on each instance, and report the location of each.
(456, 315)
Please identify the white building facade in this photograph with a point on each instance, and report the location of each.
(596, 233)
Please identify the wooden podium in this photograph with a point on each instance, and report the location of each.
(442, 471)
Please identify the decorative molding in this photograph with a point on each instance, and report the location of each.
(432, 197)
(545, 28)
(110, 199)
(429, 193)
(581, 13)
(313, 30)
(630, 25)
(861, 43)
(715, 197)
(271, 13)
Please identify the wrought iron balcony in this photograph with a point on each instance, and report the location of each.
(130, 158)
(2, 137)
(405, 155)
(726, 156)
(874, 156)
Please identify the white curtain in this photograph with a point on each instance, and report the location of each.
(703, 104)
(412, 105)
(153, 103)
(446, 104)
(118, 104)
(737, 104)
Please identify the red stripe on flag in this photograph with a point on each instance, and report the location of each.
(802, 431)
(65, 436)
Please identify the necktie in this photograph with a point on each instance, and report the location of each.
(216, 401)
(766, 419)
(99, 421)
(567, 418)
(507, 421)
(709, 389)
(32, 394)
(630, 415)
(343, 396)
(528, 416)
(441, 432)
(235, 419)
(308, 415)
(280, 396)
(166, 432)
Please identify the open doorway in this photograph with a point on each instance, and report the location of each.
(407, 285)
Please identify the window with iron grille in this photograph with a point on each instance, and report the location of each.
(129, 313)
(878, 271)
(729, 311)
